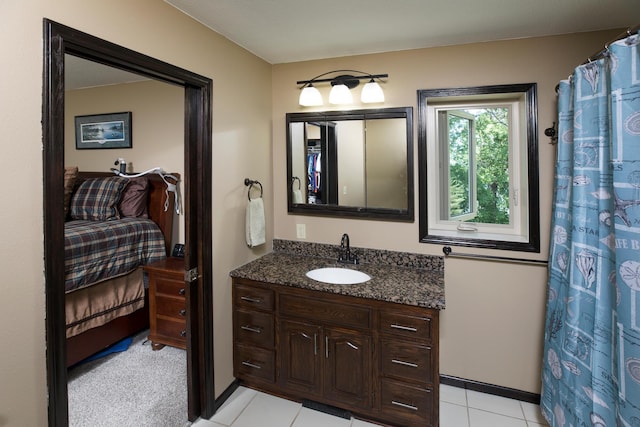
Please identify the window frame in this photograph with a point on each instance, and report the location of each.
(522, 234)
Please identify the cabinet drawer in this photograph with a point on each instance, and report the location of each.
(326, 311)
(173, 329)
(414, 405)
(407, 360)
(167, 286)
(254, 362)
(171, 307)
(406, 325)
(254, 328)
(252, 297)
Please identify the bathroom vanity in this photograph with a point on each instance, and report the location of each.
(369, 348)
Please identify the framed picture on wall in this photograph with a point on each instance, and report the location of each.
(111, 130)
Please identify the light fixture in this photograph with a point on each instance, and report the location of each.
(372, 92)
(341, 88)
(310, 96)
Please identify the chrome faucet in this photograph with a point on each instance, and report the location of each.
(345, 251)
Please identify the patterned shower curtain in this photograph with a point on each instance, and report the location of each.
(591, 366)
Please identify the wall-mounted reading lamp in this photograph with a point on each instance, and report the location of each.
(341, 85)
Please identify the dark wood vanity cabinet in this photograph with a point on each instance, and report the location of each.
(254, 334)
(376, 359)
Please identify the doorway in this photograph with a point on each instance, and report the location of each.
(58, 41)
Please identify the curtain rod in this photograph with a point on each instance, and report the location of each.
(629, 31)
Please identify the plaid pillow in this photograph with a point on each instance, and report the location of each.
(97, 199)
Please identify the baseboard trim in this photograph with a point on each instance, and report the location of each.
(511, 393)
(496, 390)
(226, 394)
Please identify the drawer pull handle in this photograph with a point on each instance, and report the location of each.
(315, 344)
(251, 365)
(181, 291)
(404, 328)
(353, 346)
(404, 405)
(251, 329)
(326, 346)
(183, 312)
(403, 363)
(183, 334)
(251, 299)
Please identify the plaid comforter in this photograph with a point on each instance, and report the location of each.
(97, 251)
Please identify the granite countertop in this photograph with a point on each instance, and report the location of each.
(404, 285)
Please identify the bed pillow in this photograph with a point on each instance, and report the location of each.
(70, 176)
(97, 199)
(134, 198)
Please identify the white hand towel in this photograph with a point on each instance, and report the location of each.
(255, 224)
(296, 196)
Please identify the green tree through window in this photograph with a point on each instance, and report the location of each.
(486, 132)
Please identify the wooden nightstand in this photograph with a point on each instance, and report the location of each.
(167, 304)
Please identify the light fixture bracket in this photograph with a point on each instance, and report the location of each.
(349, 77)
(347, 80)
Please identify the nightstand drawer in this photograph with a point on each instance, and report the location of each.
(412, 404)
(172, 307)
(169, 286)
(173, 329)
(254, 362)
(407, 360)
(415, 327)
(254, 328)
(253, 297)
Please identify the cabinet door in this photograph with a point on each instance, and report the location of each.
(347, 367)
(301, 356)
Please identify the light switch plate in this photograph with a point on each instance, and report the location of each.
(301, 231)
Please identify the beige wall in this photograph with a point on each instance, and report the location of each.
(492, 328)
(157, 130)
(241, 148)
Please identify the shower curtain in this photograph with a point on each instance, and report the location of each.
(591, 365)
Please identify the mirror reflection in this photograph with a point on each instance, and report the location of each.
(351, 163)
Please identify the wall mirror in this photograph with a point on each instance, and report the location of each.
(478, 157)
(356, 163)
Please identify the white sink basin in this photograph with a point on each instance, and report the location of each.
(338, 276)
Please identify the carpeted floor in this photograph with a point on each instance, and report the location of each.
(138, 387)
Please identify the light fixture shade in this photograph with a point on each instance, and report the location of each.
(372, 92)
(310, 97)
(340, 94)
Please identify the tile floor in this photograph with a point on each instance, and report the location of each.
(458, 408)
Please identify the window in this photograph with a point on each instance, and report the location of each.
(456, 136)
(478, 160)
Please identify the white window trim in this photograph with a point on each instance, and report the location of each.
(518, 228)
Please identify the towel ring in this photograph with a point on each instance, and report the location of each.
(294, 179)
(248, 182)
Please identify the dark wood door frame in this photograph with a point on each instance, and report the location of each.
(58, 41)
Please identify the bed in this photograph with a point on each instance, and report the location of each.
(114, 226)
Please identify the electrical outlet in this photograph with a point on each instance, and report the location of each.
(301, 231)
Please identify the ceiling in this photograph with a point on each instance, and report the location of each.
(282, 31)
